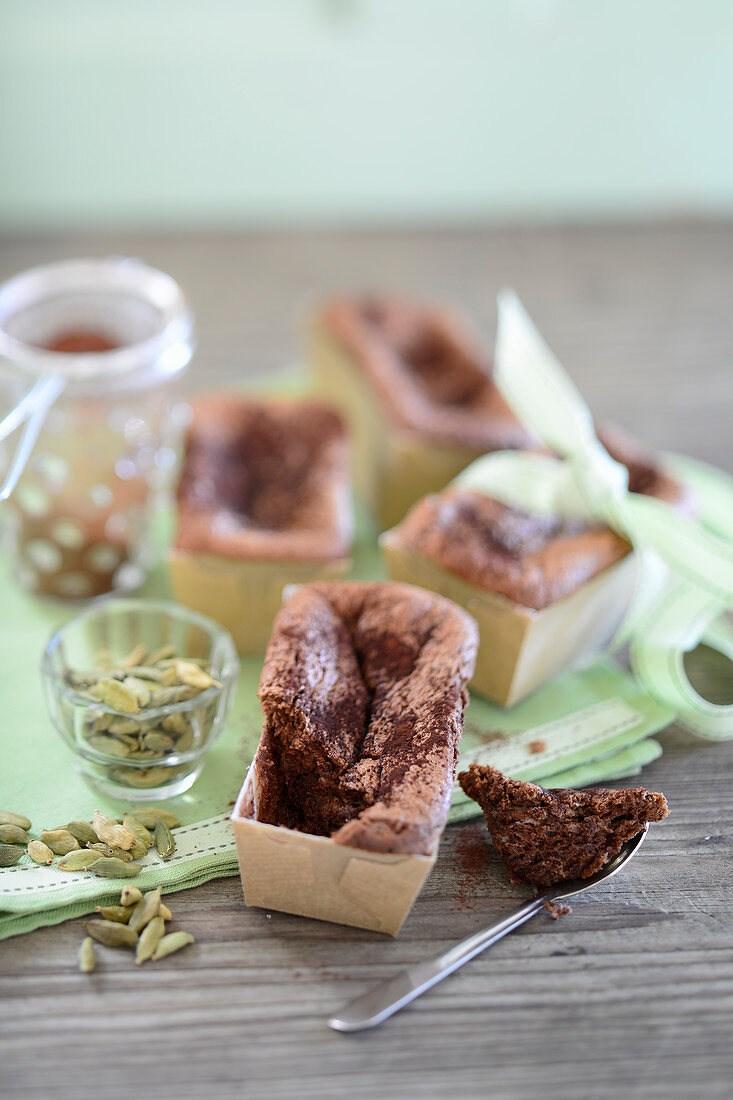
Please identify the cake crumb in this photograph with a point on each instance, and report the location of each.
(537, 746)
(557, 909)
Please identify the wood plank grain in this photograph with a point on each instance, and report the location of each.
(629, 996)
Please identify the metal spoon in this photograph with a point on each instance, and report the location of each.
(381, 1001)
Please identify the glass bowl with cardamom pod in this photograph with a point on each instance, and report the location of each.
(140, 689)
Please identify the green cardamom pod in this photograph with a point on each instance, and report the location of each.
(9, 855)
(111, 833)
(164, 842)
(87, 956)
(79, 861)
(191, 674)
(158, 742)
(120, 726)
(141, 689)
(150, 815)
(40, 853)
(83, 832)
(109, 867)
(122, 853)
(118, 913)
(105, 849)
(130, 895)
(138, 850)
(136, 656)
(150, 937)
(60, 841)
(176, 723)
(138, 830)
(145, 910)
(146, 672)
(109, 746)
(111, 933)
(7, 817)
(13, 834)
(163, 653)
(115, 695)
(174, 941)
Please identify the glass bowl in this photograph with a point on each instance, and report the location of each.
(114, 749)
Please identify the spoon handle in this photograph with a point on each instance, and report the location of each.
(383, 1000)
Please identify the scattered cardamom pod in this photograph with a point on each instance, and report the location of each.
(130, 895)
(7, 817)
(115, 695)
(174, 941)
(13, 834)
(112, 833)
(150, 937)
(145, 910)
(40, 852)
(105, 849)
(9, 855)
(87, 956)
(60, 841)
(82, 860)
(164, 842)
(165, 912)
(83, 832)
(149, 816)
(109, 867)
(138, 850)
(138, 830)
(111, 933)
(118, 913)
(122, 853)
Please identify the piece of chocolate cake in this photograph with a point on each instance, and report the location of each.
(363, 692)
(547, 836)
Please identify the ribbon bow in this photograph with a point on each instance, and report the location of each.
(685, 585)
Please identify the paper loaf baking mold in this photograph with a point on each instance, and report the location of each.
(416, 393)
(363, 693)
(264, 501)
(520, 648)
(312, 876)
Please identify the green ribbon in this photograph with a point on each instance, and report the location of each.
(685, 580)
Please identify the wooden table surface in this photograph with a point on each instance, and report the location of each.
(632, 994)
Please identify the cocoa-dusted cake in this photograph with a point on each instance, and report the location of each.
(363, 692)
(544, 591)
(547, 836)
(417, 392)
(263, 501)
(531, 559)
(264, 479)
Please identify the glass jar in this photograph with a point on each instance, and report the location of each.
(109, 340)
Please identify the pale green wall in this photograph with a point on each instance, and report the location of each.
(217, 111)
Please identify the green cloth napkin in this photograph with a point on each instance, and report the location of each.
(594, 724)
